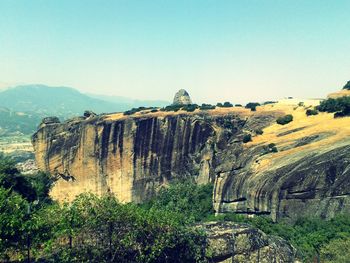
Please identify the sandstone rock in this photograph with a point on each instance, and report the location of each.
(231, 242)
(50, 120)
(182, 98)
(133, 157)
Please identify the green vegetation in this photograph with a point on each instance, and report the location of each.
(269, 102)
(340, 106)
(247, 138)
(311, 112)
(172, 108)
(285, 119)
(93, 229)
(336, 251)
(135, 110)
(238, 105)
(252, 105)
(226, 104)
(310, 236)
(259, 131)
(207, 107)
(188, 108)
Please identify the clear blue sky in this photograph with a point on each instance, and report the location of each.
(237, 50)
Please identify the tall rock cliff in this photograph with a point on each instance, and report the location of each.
(132, 157)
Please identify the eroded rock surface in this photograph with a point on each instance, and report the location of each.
(229, 242)
(133, 156)
(182, 98)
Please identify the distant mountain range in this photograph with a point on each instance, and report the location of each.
(22, 107)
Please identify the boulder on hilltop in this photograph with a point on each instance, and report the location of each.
(182, 98)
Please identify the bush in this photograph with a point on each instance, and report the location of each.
(172, 108)
(238, 105)
(341, 106)
(207, 107)
(311, 112)
(187, 198)
(225, 105)
(135, 110)
(96, 229)
(336, 251)
(247, 138)
(252, 105)
(190, 107)
(285, 119)
(269, 102)
(259, 131)
(271, 148)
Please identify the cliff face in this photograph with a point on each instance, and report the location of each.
(133, 156)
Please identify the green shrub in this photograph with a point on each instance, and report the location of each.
(285, 119)
(226, 104)
(207, 107)
(190, 107)
(187, 198)
(238, 105)
(135, 110)
(172, 108)
(252, 105)
(336, 251)
(271, 148)
(269, 102)
(310, 112)
(247, 138)
(259, 131)
(340, 106)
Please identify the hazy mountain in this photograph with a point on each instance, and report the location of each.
(12, 122)
(22, 107)
(44, 100)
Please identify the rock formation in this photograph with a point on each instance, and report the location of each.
(133, 156)
(182, 98)
(230, 242)
(342, 93)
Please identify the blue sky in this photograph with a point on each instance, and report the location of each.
(237, 50)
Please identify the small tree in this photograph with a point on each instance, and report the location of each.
(285, 119)
(252, 105)
(311, 112)
(247, 138)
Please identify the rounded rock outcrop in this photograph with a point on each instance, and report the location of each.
(182, 98)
